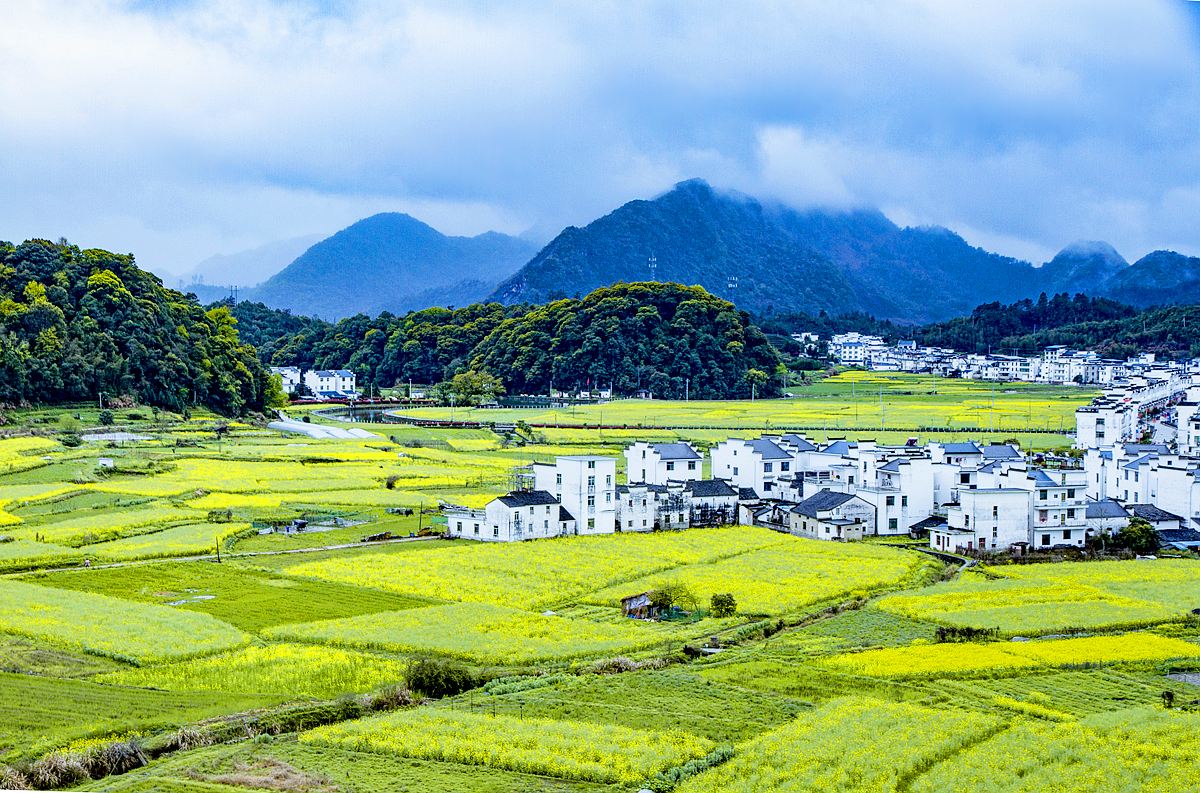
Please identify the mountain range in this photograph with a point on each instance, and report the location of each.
(392, 262)
(766, 258)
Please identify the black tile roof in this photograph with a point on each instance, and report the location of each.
(528, 498)
(564, 515)
(675, 451)
(1153, 514)
(710, 487)
(821, 501)
(747, 494)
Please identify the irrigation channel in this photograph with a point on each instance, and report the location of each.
(375, 414)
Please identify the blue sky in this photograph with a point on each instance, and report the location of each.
(176, 129)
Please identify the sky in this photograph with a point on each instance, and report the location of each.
(176, 129)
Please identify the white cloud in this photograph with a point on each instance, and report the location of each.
(207, 126)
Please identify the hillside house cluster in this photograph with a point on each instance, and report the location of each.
(322, 383)
(1056, 364)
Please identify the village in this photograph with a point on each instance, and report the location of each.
(960, 497)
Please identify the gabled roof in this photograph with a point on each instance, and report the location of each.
(1153, 514)
(1106, 509)
(563, 515)
(1041, 478)
(803, 444)
(962, 448)
(822, 501)
(1000, 451)
(892, 466)
(1136, 462)
(839, 447)
(710, 487)
(747, 494)
(1143, 448)
(675, 451)
(333, 373)
(1180, 538)
(528, 498)
(931, 522)
(769, 450)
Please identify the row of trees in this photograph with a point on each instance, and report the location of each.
(78, 323)
(671, 339)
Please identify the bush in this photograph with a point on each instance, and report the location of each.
(391, 481)
(437, 679)
(70, 440)
(722, 605)
(305, 418)
(12, 779)
(1139, 536)
(106, 418)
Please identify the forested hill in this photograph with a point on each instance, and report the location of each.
(783, 260)
(76, 323)
(651, 335)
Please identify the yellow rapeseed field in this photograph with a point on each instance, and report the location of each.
(538, 573)
(968, 657)
(476, 632)
(563, 749)
(849, 745)
(1047, 597)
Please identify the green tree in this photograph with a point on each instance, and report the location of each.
(722, 605)
(1139, 536)
(472, 387)
(106, 418)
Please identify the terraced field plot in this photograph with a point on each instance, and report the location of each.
(1049, 598)
(46, 712)
(537, 574)
(246, 598)
(477, 632)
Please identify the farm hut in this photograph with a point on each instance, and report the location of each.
(920, 530)
(638, 606)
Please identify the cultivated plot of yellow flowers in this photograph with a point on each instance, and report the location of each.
(791, 574)
(137, 632)
(477, 632)
(290, 669)
(848, 745)
(972, 657)
(1040, 598)
(535, 574)
(563, 749)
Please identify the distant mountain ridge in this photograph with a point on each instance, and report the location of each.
(772, 258)
(245, 268)
(384, 261)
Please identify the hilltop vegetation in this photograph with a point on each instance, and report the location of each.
(648, 335)
(76, 323)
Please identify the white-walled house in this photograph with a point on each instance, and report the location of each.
(330, 382)
(659, 463)
(987, 520)
(832, 516)
(756, 464)
(289, 376)
(522, 515)
(586, 487)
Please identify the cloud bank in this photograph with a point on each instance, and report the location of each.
(176, 130)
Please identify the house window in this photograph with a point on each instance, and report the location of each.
(591, 463)
(591, 501)
(591, 524)
(851, 479)
(768, 467)
(891, 501)
(558, 479)
(476, 528)
(995, 532)
(545, 524)
(1099, 435)
(964, 479)
(643, 522)
(495, 531)
(904, 501)
(670, 466)
(785, 466)
(892, 524)
(1042, 495)
(591, 481)
(643, 503)
(767, 487)
(460, 527)
(643, 454)
(1045, 539)
(643, 474)
(1067, 534)
(995, 512)
(692, 465)
(735, 471)
(1071, 514)
(966, 520)
(608, 480)
(608, 498)
(1070, 492)
(631, 524)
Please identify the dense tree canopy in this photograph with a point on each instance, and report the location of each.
(648, 335)
(76, 323)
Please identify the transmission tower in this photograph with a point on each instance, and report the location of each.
(653, 262)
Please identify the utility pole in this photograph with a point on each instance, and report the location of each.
(687, 390)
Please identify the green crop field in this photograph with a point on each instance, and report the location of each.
(830, 675)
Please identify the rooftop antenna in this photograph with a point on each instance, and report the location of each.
(653, 262)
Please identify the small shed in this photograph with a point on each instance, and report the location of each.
(638, 606)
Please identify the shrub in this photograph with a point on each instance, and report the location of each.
(436, 678)
(70, 440)
(106, 417)
(722, 605)
(12, 779)
(57, 769)
(186, 738)
(306, 419)
(393, 698)
(391, 481)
